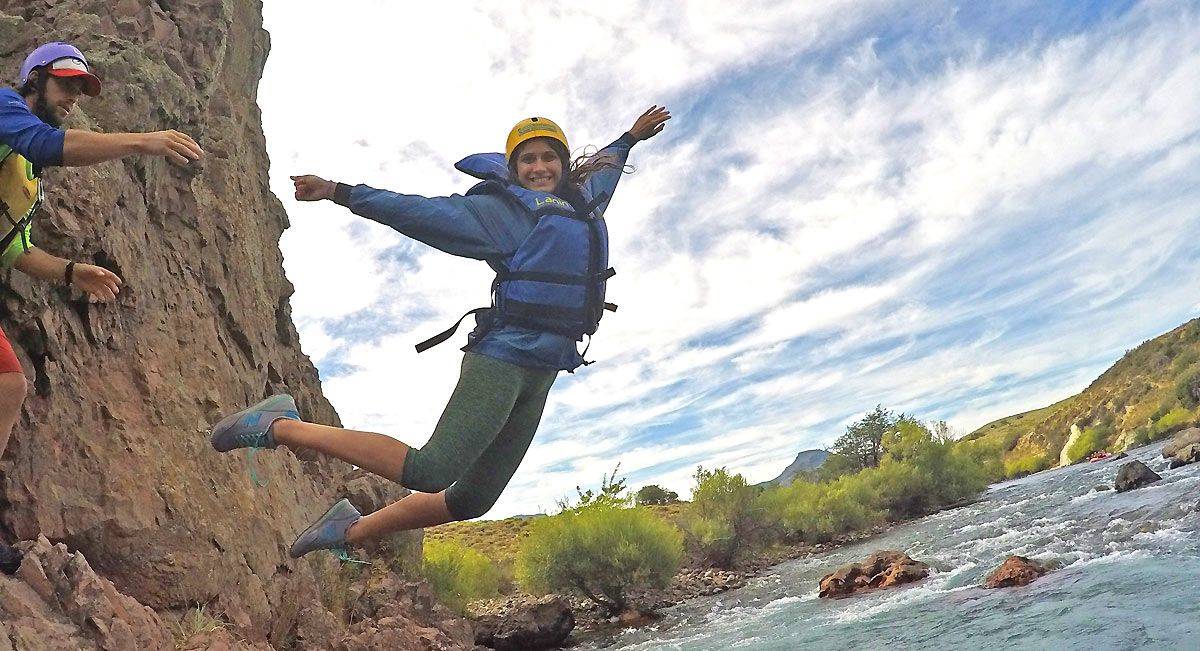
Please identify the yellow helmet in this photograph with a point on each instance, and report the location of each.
(531, 128)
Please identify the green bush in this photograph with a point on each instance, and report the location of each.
(724, 517)
(1026, 463)
(1187, 389)
(816, 513)
(654, 495)
(1089, 441)
(1171, 421)
(459, 574)
(600, 552)
(932, 472)
(611, 493)
(921, 471)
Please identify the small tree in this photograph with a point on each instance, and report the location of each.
(862, 444)
(654, 495)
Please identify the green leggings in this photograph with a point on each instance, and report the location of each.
(482, 435)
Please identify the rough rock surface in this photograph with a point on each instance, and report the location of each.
(1181, 440)
(111, 455)
(544, 624)
(1134, 474)
(56, 601)
(1187, 454)
(392, 613)
(883, 569)
(1015, 571)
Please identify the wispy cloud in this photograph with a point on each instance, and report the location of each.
(958, 212)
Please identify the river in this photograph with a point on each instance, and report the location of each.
(1127, 577)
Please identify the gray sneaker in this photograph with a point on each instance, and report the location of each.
(251, 427)
(329, 532)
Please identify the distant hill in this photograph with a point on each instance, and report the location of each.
(1151, 392)
(806, 461)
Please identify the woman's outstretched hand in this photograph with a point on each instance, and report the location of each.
(650, 123)
(313, 188)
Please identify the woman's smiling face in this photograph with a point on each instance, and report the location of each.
(538, 165)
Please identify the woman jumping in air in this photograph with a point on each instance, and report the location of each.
(537, 220)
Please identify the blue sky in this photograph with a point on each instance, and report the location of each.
(962, 211)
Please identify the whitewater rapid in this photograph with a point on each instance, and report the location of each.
(1127, 577)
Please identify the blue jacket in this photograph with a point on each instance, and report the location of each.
(485, 227)
(26, 133)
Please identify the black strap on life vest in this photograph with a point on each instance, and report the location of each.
(449, 332)
(556, 278)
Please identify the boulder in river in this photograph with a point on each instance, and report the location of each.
(1134, 474)
(1180, 441)
(1187, 454)
(1015, 571)
(883, 569)
(544, 624)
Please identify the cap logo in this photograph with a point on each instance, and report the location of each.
(69, 63)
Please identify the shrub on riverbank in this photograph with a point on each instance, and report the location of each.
(1019, 464)
(816, 513)
(459, 574)
(1089, 441)
(600, 551)
(724, 517)
(922, 470)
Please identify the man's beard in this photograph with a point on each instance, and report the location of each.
(45, 112)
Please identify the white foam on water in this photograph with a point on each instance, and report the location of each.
(1086, 560)
(786, 601)
(874, 603)
(1035, 533)
(1170, 538)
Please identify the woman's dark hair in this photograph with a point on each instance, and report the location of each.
(575, 173)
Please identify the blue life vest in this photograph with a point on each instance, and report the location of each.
(555, 280)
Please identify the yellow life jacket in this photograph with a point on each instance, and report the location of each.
(20, 196)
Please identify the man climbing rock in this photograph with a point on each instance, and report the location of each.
(52, 79)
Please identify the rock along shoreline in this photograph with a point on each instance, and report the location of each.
(690, 583)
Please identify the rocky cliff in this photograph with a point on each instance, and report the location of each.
(110, 458)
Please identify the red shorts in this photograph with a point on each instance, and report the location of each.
(8, 359)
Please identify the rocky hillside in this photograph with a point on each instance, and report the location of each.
(805, 461)
(110, 459)
(1151, 392)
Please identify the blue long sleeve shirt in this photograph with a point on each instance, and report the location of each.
(485, 227)
(27, 134)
